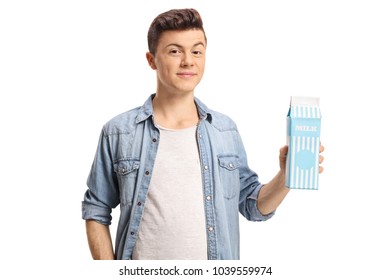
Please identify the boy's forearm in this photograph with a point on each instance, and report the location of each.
(272, 194)
(99, 241)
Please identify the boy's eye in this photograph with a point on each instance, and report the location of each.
(175, 51)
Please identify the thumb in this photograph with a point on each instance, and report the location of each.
(283, 151)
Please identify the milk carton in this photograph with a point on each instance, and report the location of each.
(303, 139)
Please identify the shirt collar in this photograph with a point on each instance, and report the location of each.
(146, 110)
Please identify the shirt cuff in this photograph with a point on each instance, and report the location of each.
(97, 213)
(252, 210)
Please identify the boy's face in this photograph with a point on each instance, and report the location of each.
(179, 61)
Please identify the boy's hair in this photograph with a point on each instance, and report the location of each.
(177, 19)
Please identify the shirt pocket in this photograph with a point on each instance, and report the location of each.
(127, 171)
(229, 175)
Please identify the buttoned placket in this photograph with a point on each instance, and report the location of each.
(133, 231)
(207, 192)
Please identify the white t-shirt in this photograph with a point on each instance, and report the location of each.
(173, 225)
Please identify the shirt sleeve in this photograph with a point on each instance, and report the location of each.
(249, 189)
(102, 194)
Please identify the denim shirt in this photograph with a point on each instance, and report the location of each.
(123, 167)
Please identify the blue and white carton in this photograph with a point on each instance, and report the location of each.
(303, 139)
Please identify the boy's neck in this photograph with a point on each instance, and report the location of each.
(175, 112)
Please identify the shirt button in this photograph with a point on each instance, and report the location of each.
(200, 135)
(147, 173)
(231, 165)
(208, 197)
(132, 233)
(211, 228)
(139, 203)
(154, 140)
(206, 167)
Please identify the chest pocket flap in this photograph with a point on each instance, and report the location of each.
(229, 162)
(126, 166)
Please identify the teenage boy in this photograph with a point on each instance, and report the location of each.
(177, 168)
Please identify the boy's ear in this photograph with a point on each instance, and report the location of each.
(150, 59)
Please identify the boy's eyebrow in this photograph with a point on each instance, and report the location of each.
(199, 43)
(180, 46)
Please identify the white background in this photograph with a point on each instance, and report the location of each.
(67, 67)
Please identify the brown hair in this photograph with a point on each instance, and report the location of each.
(177, 19)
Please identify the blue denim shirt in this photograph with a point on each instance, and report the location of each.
(123, 167)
